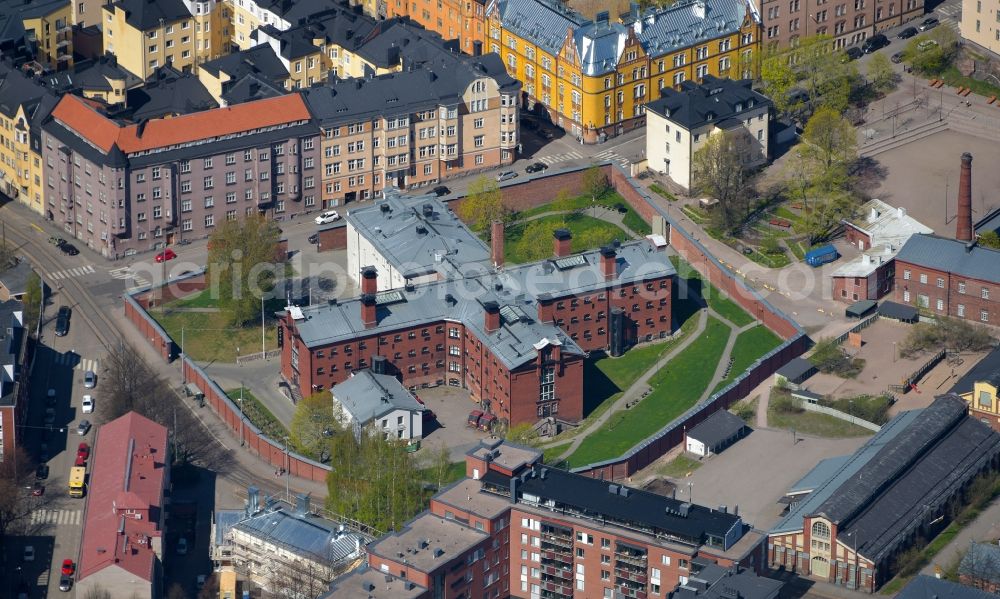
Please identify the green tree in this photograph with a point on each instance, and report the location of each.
(595, 182)
(990, 239)
(880, 73)
(777, 77)
(440, 464)
(313, 423)
(933, 52)
(770, 245)
(523, 434)
(717, 170)
(33, 296)
(373, 481)
(830, 144)
(241, 265)
(535, 242)
(483, 204)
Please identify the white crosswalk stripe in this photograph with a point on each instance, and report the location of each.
(564, 157)
(68, 273)
(87, 364)
(125, 273)
(57, 517)
(612, 156)
(75, 362)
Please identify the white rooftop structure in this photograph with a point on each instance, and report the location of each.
(886, 225)
(867, 263)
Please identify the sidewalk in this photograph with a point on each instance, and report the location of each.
(984, 528)
(242, 467)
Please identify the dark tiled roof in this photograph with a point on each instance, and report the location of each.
(797, 369)
(717, 428)
(898, 311)
(593, 498)
(250, 88)
(169, 93)
(715, 582)
(713, 101)
(259, 60)
(986, 369)
(16, 90)
(953, 256)
(147, 14)
(929, 587)
(981, 561)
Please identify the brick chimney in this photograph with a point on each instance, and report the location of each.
(963, 226)
(496, 242)
(608, 256)
(368, 310)
(545, 308)
(492, 312)
(560, 242)
(369, 280)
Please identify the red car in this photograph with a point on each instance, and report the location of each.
(80, 460)
(68, 567)
(83, 450)
(167, 254)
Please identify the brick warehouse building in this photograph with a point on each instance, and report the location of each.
(127, 188)
(948, 277)
(866, 509)
(546, 532)
(515, 337)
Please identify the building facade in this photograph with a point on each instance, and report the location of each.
(514, 527)
(38, 35)
(984, 401)
(514, 337)
(868, 508)
(595, 78)
(16, 363)
(146, 35)
(847, 23)
(980, 24)
(24, 104)
(121, 189)
(379, 404)
(453, 19)
(682, 121)
(948, 277)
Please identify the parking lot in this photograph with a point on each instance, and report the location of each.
(451, 405)
(755, 472)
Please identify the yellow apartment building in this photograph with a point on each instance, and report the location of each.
(23, 105)
(595, 77)
(47, 25)
(984, 402)
(147, 35)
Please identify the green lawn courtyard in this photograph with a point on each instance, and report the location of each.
(529, 241)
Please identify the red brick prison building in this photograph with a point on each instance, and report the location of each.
(879, 233)
(515, 337)
(516, 528)
(851, 517)
(948, 277)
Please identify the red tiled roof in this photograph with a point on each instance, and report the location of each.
(102, 132)
(127, 473)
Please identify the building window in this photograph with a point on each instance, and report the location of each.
(940, 283)
(923, 279)
(961, 310)
(820, 530)
(984, 316)
(940, 305)
(961, 287)
(985, 293)
(548, 384)
(906, 275)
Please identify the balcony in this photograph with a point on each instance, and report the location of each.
(638, 577)
(628, 592)
(558, 588)
(633, 559)
(564, 557)
(557, 540)
(564, 573)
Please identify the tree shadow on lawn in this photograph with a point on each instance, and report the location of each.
(599, 386)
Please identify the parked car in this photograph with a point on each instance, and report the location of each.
(852, 53)
(874, 43)
(907, 33)
(62, 321)
(621, 208)
(89, 379)
(37, 489)
(506, 175)
(537, 167)
(56, 240)
(313, 239)
(65, 583)
(80, 461)
(69, 249)
(42, 472)
(327, 217)
(87, 404)
(473, 420)
(165, 255)
(83, 450)
(897, 57)
(83, 428)
(68, 567)
(928, 24)
(182, 546)
(29, 553)
(926, 45)
(441, 190)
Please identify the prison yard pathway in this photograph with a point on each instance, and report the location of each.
(633, 395)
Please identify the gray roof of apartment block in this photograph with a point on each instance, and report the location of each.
(15, 278)
(304, 534)
(951, 255)
(714, 101)
(930, 587)
(367, 395)
(143, 14)
(715, 582)
(258, 60)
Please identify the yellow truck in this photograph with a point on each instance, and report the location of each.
(77, 481)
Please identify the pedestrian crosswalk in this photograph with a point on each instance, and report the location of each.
(58, 517)
(564, 157)
(126, 273)
(612, 156)
(950, 14)
(68, 273)
(74, 361)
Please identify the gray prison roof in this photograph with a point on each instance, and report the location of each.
(367, 395)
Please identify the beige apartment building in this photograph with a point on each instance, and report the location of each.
(847, 22)
(981, 24)
(414, 128)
